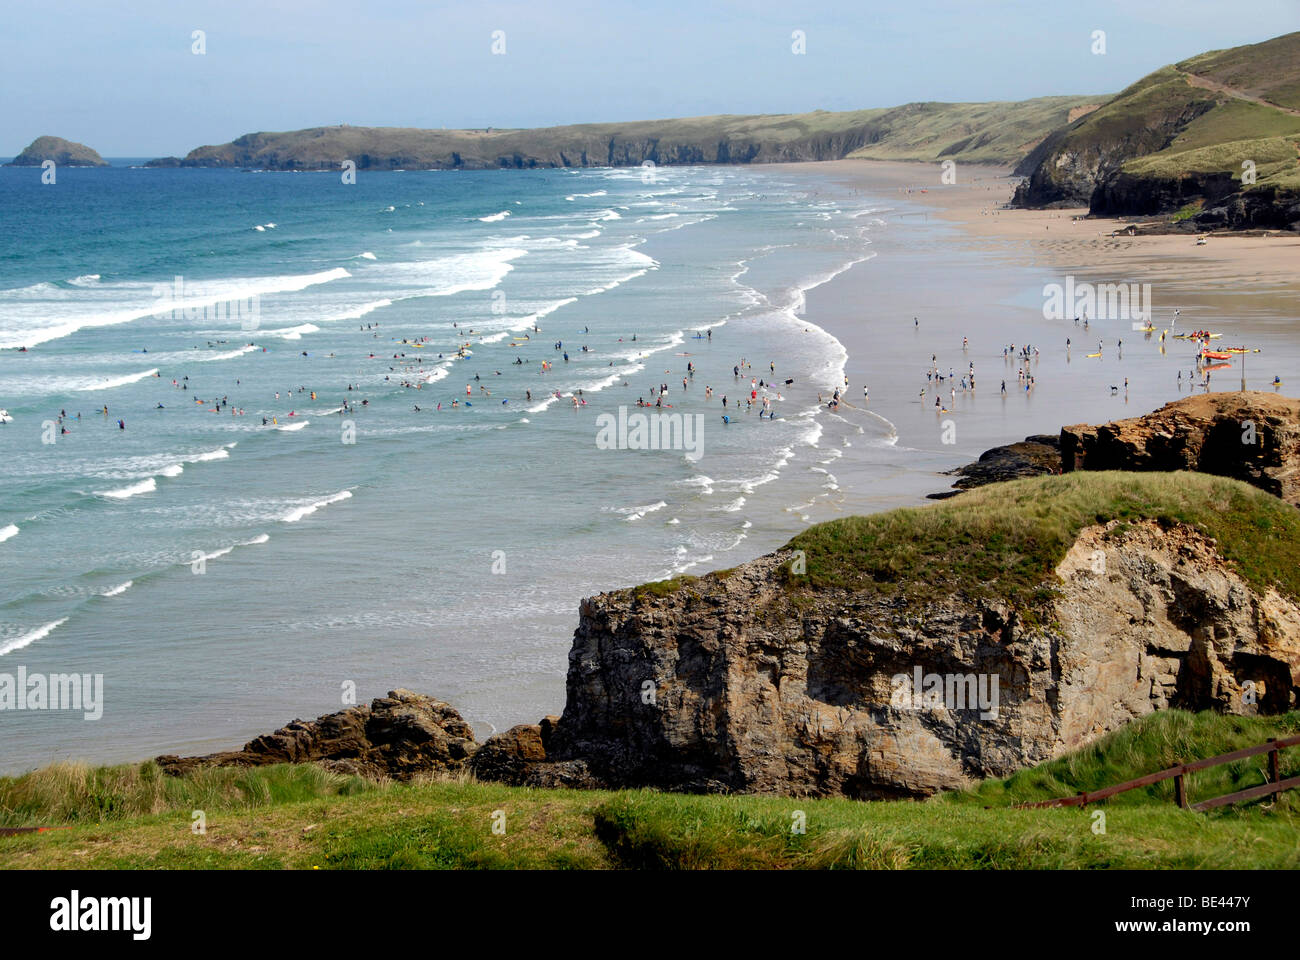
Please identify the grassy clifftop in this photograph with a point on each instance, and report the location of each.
(1005, 540)
(970, 132)
(301, 817)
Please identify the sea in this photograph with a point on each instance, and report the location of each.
(275, 443)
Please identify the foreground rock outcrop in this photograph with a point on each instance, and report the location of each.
(735, 683)
(397, 736)
(64, 153)
(1251, 436)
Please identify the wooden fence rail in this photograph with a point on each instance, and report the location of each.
(1273, 747)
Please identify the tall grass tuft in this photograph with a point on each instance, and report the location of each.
(66, 793)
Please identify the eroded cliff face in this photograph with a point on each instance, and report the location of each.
(746, 682)
(1071, 165)
(1250, 436)
(434, 150)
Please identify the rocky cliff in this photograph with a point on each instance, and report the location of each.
(65, 153)
(750, 681)
(1249, 435)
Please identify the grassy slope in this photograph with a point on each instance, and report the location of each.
(301, 817)
(1265, 70)
(969, 132)
(1168, 127)
(995, 133)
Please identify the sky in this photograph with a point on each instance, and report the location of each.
(129, 83)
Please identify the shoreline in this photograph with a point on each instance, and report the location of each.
(950, 257)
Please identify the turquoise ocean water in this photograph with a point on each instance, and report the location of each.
(225, 574)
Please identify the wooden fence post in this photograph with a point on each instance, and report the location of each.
(1180, 791)
(1274, 766)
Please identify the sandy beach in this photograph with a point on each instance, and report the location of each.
(951, 263)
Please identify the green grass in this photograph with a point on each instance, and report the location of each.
(1234, 121)
(645, 830)
(1160, 741)
(80, 794)
(1006, 539)
(967, 132)
(1274, 158)
(1266, 70)
(300, 818)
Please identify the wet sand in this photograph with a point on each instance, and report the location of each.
(962, 267)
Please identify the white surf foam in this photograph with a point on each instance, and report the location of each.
(636, 513)
(296, 514)
(121, 381)
(293, 333)
(228, 355)
(10, 530)
(17, 643)
(33, 315)
(148, 485)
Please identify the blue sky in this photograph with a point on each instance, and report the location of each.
(126, 82)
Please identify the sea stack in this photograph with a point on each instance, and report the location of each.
(65, 153)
